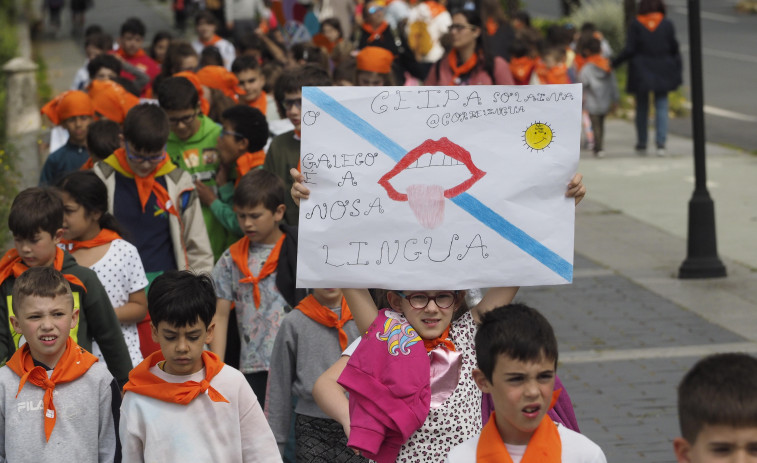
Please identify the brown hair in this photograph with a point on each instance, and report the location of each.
(40, 282)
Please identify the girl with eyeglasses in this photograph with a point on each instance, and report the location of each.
(412, 393)
(469, 62)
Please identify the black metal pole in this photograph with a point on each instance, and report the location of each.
(702, 259)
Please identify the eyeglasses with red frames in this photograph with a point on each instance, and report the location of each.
(443, 299)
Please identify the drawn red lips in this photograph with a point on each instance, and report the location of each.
(427, 201)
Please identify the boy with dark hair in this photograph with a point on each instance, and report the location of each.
(176, 393)
(94, 44)
(240, 146)
(192, 146)
(36, 221)
(130, 49)
(73, 110)
(153, 199)
(251, 80)
(257, 275)
(284, 151)
(206, 28)
(103, 138)
(516, 351)
(717, 410)
(52, 371)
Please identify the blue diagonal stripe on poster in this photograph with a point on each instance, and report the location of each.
(467, 202)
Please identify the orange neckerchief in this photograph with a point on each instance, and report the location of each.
(441, 340)
(247, 162)
(73, 364)
(375, 34)
(87, 165)
(435, 8)
(140, 53)
(239, 252)
(598, 61)
(147, 185)
(465, 68)
(104, 237)
(491, 26)
(555, 75)
(142, 382)
(261, 103)
(12, 264)
(326, 317)
(521, 69)
(213, 40)
(650, 20)
(543, 447)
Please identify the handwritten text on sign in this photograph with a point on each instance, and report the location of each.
(438, 187)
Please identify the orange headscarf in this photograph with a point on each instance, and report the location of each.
(650, 20)
(375, 59)
(192, 77)
(72, 365)
(12, 264)
(220, 78)
(315, 311)
(142, 382)
(544, 446)
(68, 104)
(146, 185)
(104, 237)
(239, 252)
(111, 100)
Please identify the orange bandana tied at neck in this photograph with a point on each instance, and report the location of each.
(140, 53)
(73, 364)
(104, 237)
(598, 61)
(441, 340)
(522, 68)
(12, 264)
(261, 103)
(142, 382)
(213, 40)
(249, 161)
(463, 69)
(544, 446)
(375, 34)
(147, 185)
(239, 253)
(326, 317)
(88, 165)
(650, 20)
(491, 26)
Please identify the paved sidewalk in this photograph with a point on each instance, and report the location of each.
(627, 327)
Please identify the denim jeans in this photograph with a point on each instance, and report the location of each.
(660, 118)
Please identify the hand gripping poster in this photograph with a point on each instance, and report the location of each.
(438, 187)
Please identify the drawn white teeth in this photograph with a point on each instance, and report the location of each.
(434, 160)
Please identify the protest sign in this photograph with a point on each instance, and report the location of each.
(438, 187)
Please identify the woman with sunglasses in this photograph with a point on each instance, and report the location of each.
(469, 62)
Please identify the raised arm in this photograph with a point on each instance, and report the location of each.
(221, 319)
(362, 306)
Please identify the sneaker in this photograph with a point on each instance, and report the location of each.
(661, 152)
(599, 154)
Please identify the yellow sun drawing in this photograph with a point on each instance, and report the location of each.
(538, 136)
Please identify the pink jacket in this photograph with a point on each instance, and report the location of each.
(388, 379)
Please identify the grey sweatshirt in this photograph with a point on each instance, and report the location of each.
(600, 89)
(84, 430)
(302, 351)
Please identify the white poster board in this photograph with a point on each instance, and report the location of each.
(438, 187)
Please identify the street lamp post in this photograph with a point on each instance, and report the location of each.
(702, 259)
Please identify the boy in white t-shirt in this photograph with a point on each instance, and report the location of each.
(516, 351)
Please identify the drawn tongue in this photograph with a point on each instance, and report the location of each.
(427, 203)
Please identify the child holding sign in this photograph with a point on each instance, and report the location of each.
(435, 411)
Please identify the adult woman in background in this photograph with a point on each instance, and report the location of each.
(468, 62)
(655, 66)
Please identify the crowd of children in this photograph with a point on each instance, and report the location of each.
(163, 239)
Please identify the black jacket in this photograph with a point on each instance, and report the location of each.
(655, 59)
